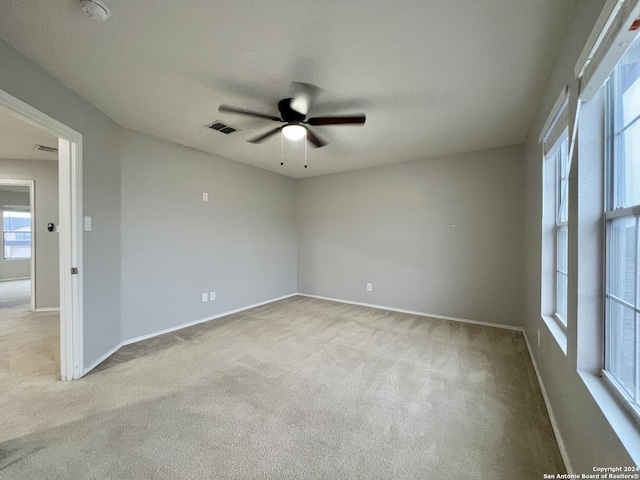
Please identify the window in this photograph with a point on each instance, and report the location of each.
(561, 230)
(555, 225)
(622, 216)
(16, 235)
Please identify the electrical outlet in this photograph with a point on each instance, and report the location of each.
(369, 287)
(538, 337)
(205, 197)
(205, 297)
(212, 295)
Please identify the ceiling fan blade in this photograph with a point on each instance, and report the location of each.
(358, 119)
(249, 113)
(314, 139)
(302, 96)
(264, 136)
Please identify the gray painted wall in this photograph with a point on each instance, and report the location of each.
(393, 227)
(45, 175)
(101, 191)
(18, 267)
(240, 244)
(588, 436)
(390, 226)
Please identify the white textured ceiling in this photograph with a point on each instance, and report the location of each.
(434, 77)
(18, 138)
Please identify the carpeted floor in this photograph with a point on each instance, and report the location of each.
(300, 388)
(14, 293)
(29, 342)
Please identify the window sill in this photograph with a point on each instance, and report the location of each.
(621, 421)
(558, 333)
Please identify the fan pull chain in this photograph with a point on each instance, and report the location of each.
(305, 149)
(281, 148)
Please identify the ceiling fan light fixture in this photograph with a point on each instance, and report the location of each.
(294, 132)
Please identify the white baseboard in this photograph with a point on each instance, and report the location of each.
(179, 327)
(47, 309)
(202, 320)
(413, 312)
(101, 359)
(547, 403)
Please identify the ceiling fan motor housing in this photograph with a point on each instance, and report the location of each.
(287, 113)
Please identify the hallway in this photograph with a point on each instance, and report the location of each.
(29, 342)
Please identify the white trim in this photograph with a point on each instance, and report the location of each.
(557, 329)
(180, 327)
(36, 118)
(618, 392)
(613, 39)
(76, 254)
(560, 103)
(14, 279)
(547, 403)
(47, 309)
(203, 320)
(34, 240)
(573, 136)
(413, 312)
(32, 211)
(615, 412)
(70, 204)
(69, 361)
(622, 212)
(602, 25)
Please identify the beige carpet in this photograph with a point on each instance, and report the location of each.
(300, 388)
(14, 293)
(29, 342)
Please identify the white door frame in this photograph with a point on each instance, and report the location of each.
(32, 210)
(70, 204)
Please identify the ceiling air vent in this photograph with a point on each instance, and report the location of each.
(45, 148)
(221, 127)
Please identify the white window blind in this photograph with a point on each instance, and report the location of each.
(556, 123)
(613, 32)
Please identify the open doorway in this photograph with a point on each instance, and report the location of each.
(52, 239)
(29, 322)
(17, 260)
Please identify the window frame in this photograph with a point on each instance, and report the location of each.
(561, 159)
(4, 232)
(613, 210)
(554, 159)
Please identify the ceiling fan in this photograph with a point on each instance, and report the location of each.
(293, 113)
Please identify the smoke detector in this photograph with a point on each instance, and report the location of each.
(95, 10)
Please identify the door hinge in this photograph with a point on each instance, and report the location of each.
(74, 270)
